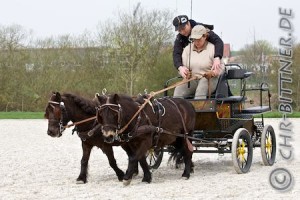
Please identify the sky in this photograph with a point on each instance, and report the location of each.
(237, 22)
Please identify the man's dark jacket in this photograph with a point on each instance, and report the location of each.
(182, 41)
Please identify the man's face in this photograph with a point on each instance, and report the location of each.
(185, 30)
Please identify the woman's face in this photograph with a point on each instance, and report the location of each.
(199, 43)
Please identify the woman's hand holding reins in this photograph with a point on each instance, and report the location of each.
(184, 72)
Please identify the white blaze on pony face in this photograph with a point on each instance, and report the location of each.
(109, 133)
(109, 129)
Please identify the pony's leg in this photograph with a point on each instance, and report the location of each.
(140, 152)
(108, 150)
(86, 152)
(130, 153)
(188, 165)
(147, 174)
(130, 171)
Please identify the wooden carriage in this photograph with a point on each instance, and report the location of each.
(229, 122)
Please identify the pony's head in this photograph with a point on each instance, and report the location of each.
(109, 115)
(56, 114)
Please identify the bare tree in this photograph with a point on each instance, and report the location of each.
(136, 40)
(13, 41)
(256, 58)
(12, 37)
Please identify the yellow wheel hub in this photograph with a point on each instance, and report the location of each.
(269, 145)
(151, 152)
(241, 150)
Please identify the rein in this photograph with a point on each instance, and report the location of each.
(79, 122)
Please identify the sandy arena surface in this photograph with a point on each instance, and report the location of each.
(37, 166)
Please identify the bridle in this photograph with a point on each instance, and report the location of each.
(63, 114)
(115, 108)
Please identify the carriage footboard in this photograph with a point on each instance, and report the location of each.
(256, 110)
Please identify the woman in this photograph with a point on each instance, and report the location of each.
(199, 55)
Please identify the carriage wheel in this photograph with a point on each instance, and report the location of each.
(242, 151)
(268, 145)
(154, 157)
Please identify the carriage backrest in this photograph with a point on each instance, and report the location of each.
(230, 73)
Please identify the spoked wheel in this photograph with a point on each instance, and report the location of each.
(154, 157)
(268, 145)
(242, 151)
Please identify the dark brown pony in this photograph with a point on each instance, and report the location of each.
(69, 107)
(165, 121)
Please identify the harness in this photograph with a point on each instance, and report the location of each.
(157, 108)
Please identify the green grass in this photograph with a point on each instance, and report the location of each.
(21, 115)
(40, 115)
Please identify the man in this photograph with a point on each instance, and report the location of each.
(184, 26)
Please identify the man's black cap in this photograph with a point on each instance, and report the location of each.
(180, 21)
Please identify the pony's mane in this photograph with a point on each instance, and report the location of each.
(89, 106)
(124, 98)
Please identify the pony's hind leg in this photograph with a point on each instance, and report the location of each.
(147, 174)
(86, 152)
(188, 165)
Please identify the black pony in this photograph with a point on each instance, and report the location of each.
(69, 107)
(160, 122)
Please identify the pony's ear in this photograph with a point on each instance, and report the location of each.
(101, 98)
(116, 98)
(57, 94)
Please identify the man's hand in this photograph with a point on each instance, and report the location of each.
(184, 72)
(216, 64)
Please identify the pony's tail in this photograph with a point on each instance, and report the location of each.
(176, 151)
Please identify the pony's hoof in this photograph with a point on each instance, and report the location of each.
(80, 182)
(135, 174)
(121, 177)
(147, 179)
(185, 177)
(126, 182)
